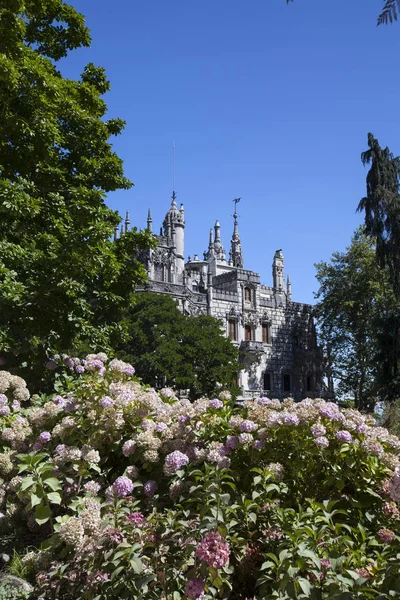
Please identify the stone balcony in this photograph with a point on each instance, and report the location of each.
(251, 346)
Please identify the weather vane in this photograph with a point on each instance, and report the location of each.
(236, 200)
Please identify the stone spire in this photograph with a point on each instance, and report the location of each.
(127, 222)
(235, 254)
(218, 247)
(289, 288)
(211, 243)
(149, 221)
(116, 232)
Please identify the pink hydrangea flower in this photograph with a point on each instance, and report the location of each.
(386, 535)
(213, 550)
(195, 589)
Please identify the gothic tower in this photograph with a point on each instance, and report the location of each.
(174, 228)
(278, 277)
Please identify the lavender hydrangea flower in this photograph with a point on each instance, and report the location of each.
(167, 393)
(321, 441)
(59, 401)
(318, 429)
(79, 369)
(263, 401)
(4, 411)
(247, 426)
(291, 419)
(128, 448)
(122, 486)
(175, 461)
(150, 488)
(232, 442)
(259, 445)
(245, 439)
(106, 402)
(129, 370)
(3, 400)
(344, 436)
(215, 403)
(45, 437)
(16, 405)
(183, 419)
(160, 427)
(60, 449)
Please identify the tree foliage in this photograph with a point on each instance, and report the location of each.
(382, 224)
(382, 207)
(63, 282)
(350, 298)
(168, 348)
(389, 12)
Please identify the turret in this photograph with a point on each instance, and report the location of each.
(127, 222)
(174, 226)
(149, 221)
(278, 271)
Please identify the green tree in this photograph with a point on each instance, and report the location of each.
(168, 348)
(382, 224)
(350, 298)
(63, 283)
(389, 11)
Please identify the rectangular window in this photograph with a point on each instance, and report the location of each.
(247, 333)
(247, 294)
(267, 382)
(232, 329)
(265, 333)
(286, 383)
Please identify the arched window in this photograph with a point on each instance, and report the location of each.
(247, 294)
(195, 286)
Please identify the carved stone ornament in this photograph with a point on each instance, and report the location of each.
(160, 256)
(265, 318)
(250, 318)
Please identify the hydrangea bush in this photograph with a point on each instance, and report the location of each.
(130, 493)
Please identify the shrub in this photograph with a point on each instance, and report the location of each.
(136, 494)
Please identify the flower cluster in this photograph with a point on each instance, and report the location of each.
(213, 550)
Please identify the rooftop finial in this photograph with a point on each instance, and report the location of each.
(235, 254)
(149, 221)
(127, 222)
(173, 170)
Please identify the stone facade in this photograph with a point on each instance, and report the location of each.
(276, 336)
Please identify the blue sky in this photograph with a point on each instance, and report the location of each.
(266, 101)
